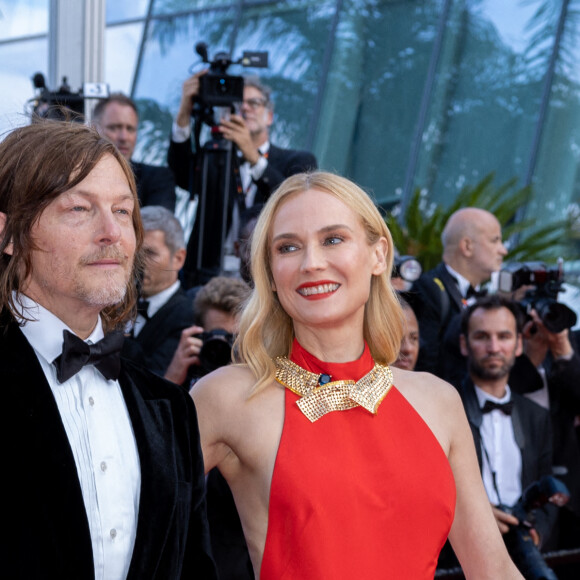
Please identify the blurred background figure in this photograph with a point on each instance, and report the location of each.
(164, 309)
(472, 251)
(242, 245)
(409, 352)
(117, 118)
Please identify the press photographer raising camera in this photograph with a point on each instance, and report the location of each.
(549, 374)
(262, 167)
(216, 307)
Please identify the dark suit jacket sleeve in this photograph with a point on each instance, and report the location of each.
(155, 185)
(198, 562)
(283, 163)
(545, 516)
(155, 359)
(426, 295)
(524, 376)
(181, 160)
(565, 375)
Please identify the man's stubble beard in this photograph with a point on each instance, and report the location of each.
(481, 372)
(112, 292)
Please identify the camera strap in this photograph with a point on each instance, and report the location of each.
(492, 471)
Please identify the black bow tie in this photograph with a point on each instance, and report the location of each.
(472, 292)
(490, 406)
(143, 308)
(76, 353)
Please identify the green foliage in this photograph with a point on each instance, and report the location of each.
(417, 231)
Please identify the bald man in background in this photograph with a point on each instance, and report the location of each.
(472, 251)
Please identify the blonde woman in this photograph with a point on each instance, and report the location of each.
(341, 466)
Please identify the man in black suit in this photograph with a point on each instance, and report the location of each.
(257, 168)
(117, 118)
(512, 434)
(472, 251)
(165, 309)
(106, 472)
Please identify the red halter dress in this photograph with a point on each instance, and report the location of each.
(356, 494)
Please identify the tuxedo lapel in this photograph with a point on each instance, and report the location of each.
(450, 284)
(34, 416)
(473, 412)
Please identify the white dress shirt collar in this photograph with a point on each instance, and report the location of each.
(157, 301)
(45, 330)
(462, 282)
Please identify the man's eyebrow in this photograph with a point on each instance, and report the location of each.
(93, 195)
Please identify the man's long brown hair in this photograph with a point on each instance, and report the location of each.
(38, 163)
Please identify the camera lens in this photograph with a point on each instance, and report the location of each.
(555, 316)
(216, 351)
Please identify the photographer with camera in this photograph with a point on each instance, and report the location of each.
(206, 345)
(512, 434)
(549, 373)
(164, 309)
(258, 168)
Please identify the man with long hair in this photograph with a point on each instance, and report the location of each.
(106, 477)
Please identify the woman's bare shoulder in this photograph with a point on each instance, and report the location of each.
(437, 402)
(226, 385)
(414, 384)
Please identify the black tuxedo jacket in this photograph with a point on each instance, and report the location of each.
(187, 167)
(155, 185)
(437, 302)
(155, 345)
(42, 506)
(533, 435)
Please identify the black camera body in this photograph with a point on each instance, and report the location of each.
(216, 351)
(544, 297)
(406, 267)
(518, 540)
(217, 88)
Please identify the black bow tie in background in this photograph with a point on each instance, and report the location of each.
(472, 292)
(143, 308)
(76, 353)
(490, 406)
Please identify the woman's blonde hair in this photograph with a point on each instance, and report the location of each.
(266, 330)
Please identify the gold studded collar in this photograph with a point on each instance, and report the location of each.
(317, 400)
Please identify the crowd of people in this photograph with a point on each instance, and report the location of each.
(260, 400)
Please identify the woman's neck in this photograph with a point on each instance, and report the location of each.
(331, 346)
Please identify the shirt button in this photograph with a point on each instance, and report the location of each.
(103, 466)
(91, 401)
(113, 533)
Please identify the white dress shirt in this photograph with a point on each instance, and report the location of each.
(99, 431)
(500, 453)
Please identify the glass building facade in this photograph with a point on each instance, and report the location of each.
(395, 94)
